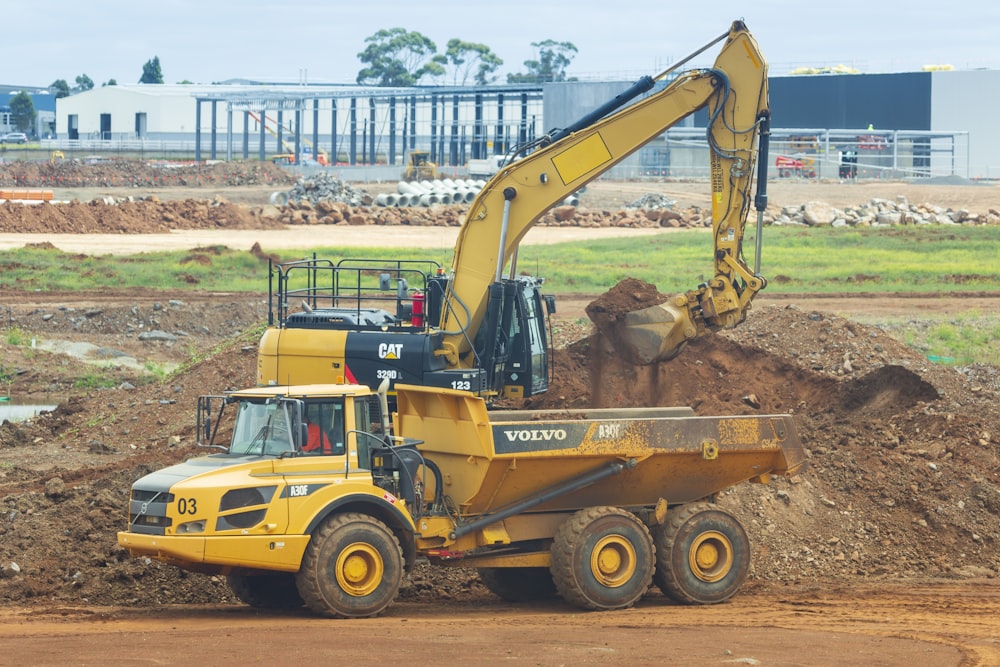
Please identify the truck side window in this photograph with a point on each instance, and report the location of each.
(325, 428)
(362, 421)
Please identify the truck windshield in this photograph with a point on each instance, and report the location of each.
(262, 429)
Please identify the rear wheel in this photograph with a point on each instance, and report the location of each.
(266, 591)
(519, 584)
(702, 555)
(602, 558)
(352, 568)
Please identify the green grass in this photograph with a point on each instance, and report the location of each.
(795, 260)
(94, 380)
(971, 337)
(925, 259)
(16, 336)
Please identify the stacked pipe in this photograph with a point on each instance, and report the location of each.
(441, 191)
(426, 193)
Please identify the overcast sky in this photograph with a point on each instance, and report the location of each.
(213, 40)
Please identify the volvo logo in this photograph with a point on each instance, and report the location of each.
(536, 435)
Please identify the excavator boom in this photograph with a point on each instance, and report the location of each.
(735, 92)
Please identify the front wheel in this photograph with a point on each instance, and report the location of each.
(702, 555)
(352, 568)
(602, 558)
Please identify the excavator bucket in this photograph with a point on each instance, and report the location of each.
(642, 324)
(657, 333)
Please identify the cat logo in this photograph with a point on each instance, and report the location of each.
(390, 350)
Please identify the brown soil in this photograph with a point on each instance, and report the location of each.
(885, 549)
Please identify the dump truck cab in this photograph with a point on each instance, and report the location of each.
(249, 510)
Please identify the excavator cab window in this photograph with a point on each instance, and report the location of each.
(528, 363)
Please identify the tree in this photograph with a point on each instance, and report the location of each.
(22, 112)
(59, 88)
(553, 59)
(84, 82)
(466, 58)
(111, 82)
(397, 57)
(151, 72)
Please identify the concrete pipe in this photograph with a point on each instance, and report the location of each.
(406, 188)
(445, 197)
(402, 200)
(278, 198)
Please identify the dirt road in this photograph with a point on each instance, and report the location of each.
(932, 625)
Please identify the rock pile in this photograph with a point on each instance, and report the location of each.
(318, 188)
(880, 213)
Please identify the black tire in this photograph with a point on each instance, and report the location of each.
(702, 555)
(266, 591)
(602, 558)
(519, 584)
(352, 568)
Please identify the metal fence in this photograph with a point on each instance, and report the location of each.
(678, 153)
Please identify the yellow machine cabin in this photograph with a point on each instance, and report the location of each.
(312, 502)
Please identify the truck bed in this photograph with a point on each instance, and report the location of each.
(490, 460)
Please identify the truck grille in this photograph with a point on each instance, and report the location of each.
(148, 511)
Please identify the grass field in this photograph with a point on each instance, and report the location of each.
(929, 259)
(795, 260)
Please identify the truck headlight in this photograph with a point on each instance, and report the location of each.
(191, 527)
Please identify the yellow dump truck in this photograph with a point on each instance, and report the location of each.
(312, 502)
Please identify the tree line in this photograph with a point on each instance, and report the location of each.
(393, 57)
(398, 57)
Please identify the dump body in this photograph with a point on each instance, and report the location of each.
(490, 460)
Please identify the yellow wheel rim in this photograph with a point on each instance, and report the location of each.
(359, 569)
(711, 556)
(613, 561)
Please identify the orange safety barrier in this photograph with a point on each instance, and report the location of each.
(27, 195)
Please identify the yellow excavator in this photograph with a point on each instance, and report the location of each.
(481, 326)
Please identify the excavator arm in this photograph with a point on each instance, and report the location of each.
(734, 91)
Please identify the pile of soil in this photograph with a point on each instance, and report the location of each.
(903, 480)
(139, 174)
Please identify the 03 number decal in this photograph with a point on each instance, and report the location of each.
(187, 506)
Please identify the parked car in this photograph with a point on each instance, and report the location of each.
(14, 138)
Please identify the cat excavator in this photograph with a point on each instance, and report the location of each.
(481, 326)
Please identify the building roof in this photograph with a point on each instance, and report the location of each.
(41, 96)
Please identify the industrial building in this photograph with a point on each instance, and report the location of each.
(914, 124)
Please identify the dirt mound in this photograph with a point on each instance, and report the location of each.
(148, 216)
(139, 173)
(628, 295)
